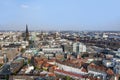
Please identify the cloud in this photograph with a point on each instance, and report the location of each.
(24, 6)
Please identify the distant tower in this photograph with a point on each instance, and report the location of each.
(27, 33)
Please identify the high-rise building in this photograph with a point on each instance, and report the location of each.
(79, 47)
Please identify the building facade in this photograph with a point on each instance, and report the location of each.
(79, 47)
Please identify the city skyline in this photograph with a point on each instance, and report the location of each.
(60, 15)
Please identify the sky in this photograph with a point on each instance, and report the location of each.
(60, 14)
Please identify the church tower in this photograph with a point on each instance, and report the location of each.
(27, 33)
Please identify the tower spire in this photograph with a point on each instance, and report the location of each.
(27, 33)
(26, 28)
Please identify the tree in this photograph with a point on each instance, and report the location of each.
(85, 55)
(68, 78)
(22, 50)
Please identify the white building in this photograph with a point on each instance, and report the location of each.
(117, 65)
(70, 69)
(79, 47)
(98, 73)
(30, 68)
(105, 36)
(117, 68)
(52, 49)
(119, 50)
(108, 63)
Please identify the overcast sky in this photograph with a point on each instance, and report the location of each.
(60, 14)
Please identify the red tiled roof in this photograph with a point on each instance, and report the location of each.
(52, 60)
(46, 65)
(70, 73)
(54, 67)
(97, 67)
(83, 69)
(92, 64)
(110, 72)
(51, 74)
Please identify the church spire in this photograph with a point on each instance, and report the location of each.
(26, 28)
(27, 33)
